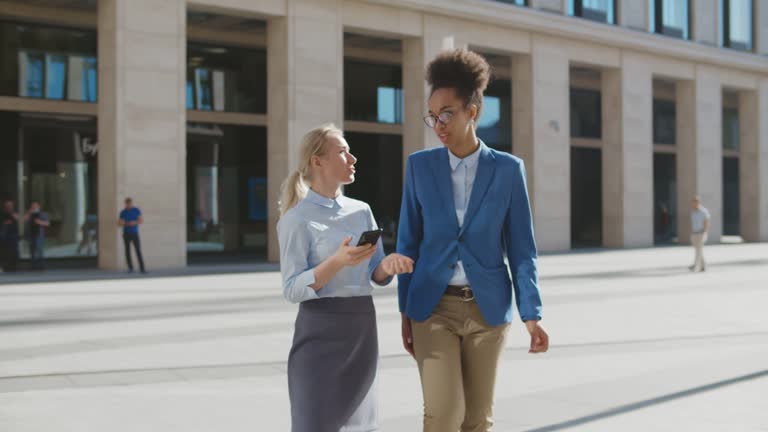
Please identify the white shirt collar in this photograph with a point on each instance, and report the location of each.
(316, 198)
(470, 161)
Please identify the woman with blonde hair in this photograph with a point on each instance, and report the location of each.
(333, 360)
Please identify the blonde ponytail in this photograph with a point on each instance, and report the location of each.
(293, 190)
(296, 186)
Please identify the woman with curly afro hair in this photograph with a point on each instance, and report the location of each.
(465, 208)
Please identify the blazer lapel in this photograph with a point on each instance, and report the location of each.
(443, 184)
(485, 169)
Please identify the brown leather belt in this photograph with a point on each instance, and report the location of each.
(462, 291)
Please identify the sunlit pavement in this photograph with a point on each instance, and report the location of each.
(638, 343)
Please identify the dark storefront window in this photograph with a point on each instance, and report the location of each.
(731, 129)
(586, 114)
(495, 125)
(731, 199)
(48, 62)
(670, 17)
(595, 10)
(373, 92)
(664, 198)
(226, 79)
(664, 122)
(226, 189)
(378, 180)
(52, 159)
(586, 198)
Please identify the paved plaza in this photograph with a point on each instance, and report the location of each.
(638, 343)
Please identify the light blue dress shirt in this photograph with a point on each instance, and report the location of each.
(463, 173)
(698, 217)
(313, 231)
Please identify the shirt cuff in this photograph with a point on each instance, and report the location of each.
(375, 284)
(302, 285)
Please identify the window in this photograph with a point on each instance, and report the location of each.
(665, 197)
(664, 122)
(736, 24)
(52, 159)
(495, 124)
(48, 62)
(731, 128)
(226, 79)
(226, 189)
(670, 17)
(514, 2)
(586, 113)
(379, 179)
(373, 92)
(595, 10)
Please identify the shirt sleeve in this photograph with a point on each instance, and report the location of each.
(297, 275)
(378, 256)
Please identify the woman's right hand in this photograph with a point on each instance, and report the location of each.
(407, 335)
(351, 256)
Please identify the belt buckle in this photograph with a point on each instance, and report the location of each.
(466, 293)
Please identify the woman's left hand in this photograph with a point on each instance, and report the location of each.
(395, 263)
(539, 338)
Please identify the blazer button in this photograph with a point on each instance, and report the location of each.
(452, 266)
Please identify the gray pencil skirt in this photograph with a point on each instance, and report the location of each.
(332, 366)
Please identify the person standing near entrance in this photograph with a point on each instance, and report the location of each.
(36, 221)
(9, 237)
(699, 233)
(130, 219)
(465, 207)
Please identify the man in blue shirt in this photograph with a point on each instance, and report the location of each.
(130, 219)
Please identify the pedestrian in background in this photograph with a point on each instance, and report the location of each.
(130, 219)
(9, 237)
(36, 221)
(699, 233)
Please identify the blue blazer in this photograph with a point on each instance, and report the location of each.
(497, 223)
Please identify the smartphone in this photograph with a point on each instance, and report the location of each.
(370, 237)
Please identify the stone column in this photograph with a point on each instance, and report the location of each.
(700, 152)
(305, 58)
(627, 155)
(557, 6)
(753, 163)
(705, 21)
(761, 27)
(634, 14)
(142, 124)
(542, 138)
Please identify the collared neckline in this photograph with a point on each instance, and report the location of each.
(316, 198)
(470, 161)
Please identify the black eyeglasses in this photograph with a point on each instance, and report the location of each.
(444, 117)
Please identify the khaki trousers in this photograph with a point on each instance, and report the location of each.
(698, 240)
(457, 354)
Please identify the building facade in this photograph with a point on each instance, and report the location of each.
(623, 110)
